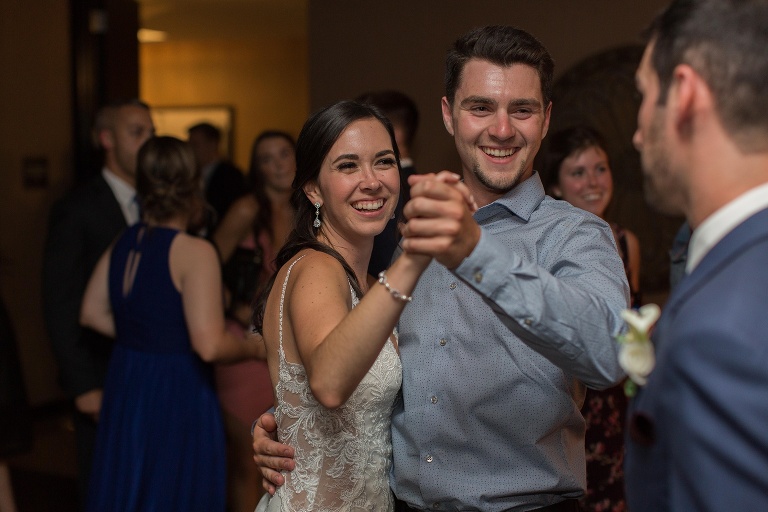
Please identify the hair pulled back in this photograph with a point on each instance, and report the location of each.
(317, 137)
(167, 180)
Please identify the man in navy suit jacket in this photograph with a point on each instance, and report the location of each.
(698, 429)
(80, 228)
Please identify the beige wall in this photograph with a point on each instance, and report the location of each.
(35, 121)
(265, 81)
(360, 45)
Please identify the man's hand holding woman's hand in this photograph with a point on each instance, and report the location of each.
(440, 222)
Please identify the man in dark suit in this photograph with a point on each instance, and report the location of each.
(402, 112)
(698, 434)
(81, 227)
(222, 181)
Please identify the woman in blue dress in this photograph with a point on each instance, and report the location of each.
(157, 290)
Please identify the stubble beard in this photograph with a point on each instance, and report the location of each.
(661, 187)
(501, 186)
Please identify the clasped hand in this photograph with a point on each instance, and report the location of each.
(440, 225)
(439, 218)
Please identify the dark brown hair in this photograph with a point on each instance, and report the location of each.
(398, 107)
(167, 180)
(317, 137)
(725, 42)
(565, 143)
(502, 45)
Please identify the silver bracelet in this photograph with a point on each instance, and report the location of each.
(396, 294)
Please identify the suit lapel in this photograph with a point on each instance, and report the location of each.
(745, 234)
(109, 207)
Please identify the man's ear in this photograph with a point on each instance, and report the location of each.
(106, 139)
(547, 114)
(447, 115)
(688, 96)
(312, 191)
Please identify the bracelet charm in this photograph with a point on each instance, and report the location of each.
(396, 294)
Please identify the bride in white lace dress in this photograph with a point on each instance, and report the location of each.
(328, 327)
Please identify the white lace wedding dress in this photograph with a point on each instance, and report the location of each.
(343, 456)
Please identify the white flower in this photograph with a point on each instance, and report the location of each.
(637, 359)
(641, 321)
(636, 356)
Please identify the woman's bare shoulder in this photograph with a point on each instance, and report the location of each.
(192, 250)
(311, 266)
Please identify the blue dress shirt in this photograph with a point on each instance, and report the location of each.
(496, 355)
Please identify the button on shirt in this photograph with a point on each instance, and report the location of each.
(495, 355)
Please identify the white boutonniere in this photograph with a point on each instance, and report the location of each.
(636, 355)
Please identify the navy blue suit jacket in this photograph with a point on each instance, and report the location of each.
(698, 431)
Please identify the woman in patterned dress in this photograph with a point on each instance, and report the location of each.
(578, 171)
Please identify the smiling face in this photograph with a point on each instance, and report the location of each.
(497, 120)
(358, 184)
(277, 163)
(585, 180)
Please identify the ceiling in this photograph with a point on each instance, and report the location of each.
(224, 19)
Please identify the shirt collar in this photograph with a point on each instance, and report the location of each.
(723, 221)
(124, 192)
(522, 200)
(125, 195)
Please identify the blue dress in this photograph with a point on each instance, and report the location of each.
(160, 443)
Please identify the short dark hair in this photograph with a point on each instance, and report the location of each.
(565, 143)
(317, 137)
(398, 107)
(105, 117)
(207, 130)
(502, 45)
(725, 42)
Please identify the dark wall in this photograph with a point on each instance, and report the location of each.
(361, 45)
(105, 67)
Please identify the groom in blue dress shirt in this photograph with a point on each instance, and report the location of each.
(698, 430)
(513, 319)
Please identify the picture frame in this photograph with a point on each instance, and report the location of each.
(176, 120)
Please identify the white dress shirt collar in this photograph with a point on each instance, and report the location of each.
(723, 221)
(125, 195)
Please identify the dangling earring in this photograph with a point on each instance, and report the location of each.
(317, 215)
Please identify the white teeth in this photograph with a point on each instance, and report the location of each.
(368, 205)
(498, 152)
(592, 197)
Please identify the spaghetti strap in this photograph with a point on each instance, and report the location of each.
(282, 301)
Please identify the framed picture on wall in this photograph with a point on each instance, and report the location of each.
(176, 120)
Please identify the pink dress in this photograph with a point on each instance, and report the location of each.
(245, 389)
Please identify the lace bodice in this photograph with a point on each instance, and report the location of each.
(343, 456)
